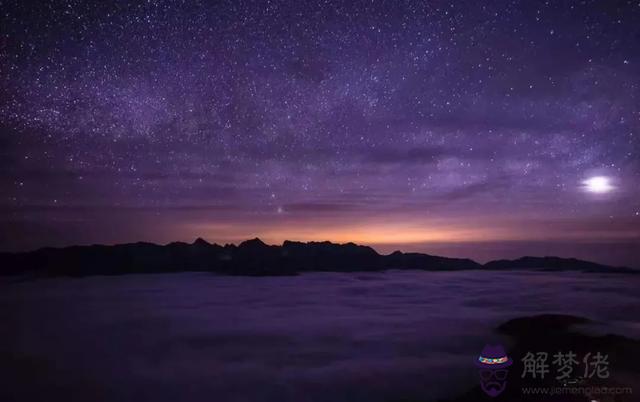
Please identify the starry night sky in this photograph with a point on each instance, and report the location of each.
(471, 129)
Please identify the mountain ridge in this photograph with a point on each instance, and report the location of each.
(254, 257)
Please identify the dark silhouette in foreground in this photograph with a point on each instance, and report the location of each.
(553, 333)
(253, 257)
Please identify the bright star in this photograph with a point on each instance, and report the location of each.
(598, 184)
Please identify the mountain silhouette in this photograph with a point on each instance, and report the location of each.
(554, 264)
(254, 257)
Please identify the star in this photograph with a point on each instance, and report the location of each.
(234, 117)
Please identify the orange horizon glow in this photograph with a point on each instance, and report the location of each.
(386, 233)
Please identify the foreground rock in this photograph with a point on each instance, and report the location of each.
(561, 333)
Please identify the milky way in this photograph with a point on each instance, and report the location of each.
(423, 126)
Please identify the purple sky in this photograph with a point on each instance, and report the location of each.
(461, 128)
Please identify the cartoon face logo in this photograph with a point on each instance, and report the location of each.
(494, 364)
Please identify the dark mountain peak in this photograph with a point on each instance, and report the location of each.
(555, 264)
(254, 243)
(355, 246)
(327, 247)
(291, 243)
(201, 242)
(177, 244)
(430, 262)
